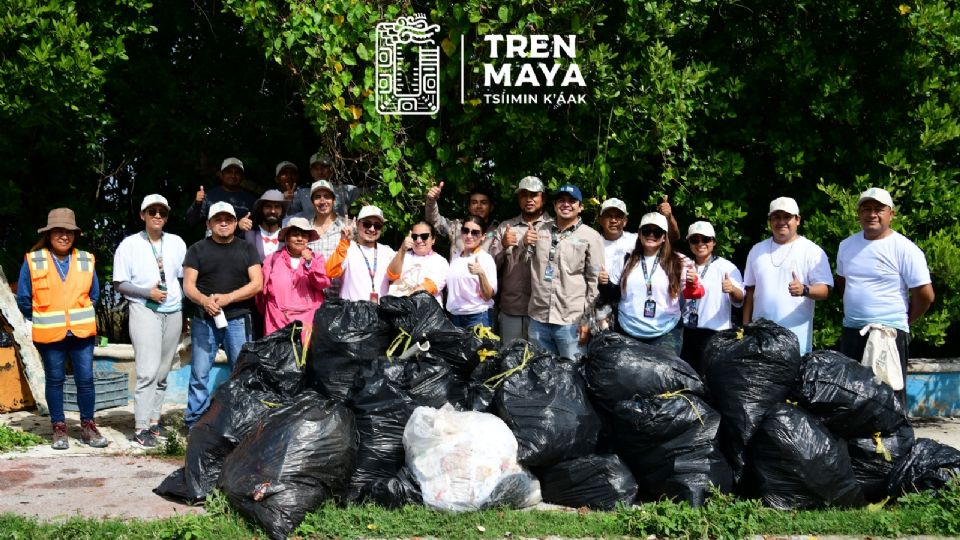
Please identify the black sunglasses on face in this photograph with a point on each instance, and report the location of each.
(376, 225)
(699, 239)
(476, 233)
(157, 211)
(423, 237)
(651, 231)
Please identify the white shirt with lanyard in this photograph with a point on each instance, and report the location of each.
(365, 272)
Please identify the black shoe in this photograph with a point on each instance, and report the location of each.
(159, 432)
(145, 438)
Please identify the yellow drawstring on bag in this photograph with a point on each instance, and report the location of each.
(881, 449)
(397, 342)
(495, 381)
(680, 394)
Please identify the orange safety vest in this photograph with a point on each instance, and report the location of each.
(60, 305)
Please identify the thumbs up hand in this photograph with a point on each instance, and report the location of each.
(509, 237)
(530, 238)
(795, 287)
(727, 284)
(434, 192)
(604, 276)
(664, 207)
(474, 267)
(692, 273)
(201, 195)
(245, 223)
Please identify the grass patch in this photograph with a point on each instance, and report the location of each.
(14, 439)
(175, 445)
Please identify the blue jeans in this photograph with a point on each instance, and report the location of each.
(561, 339)
(469, 321)
(54, 355)
(206, 339)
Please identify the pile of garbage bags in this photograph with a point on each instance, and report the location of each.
(390, 403)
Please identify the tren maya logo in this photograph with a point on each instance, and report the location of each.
(514, 69)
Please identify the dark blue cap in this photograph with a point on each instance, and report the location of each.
(569, 189)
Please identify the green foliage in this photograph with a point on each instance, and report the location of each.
(14, 439)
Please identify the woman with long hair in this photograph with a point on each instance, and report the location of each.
(472, 279)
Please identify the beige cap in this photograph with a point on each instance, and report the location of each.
(283, 165)
(654, 218)
(370, 211)
(220, 208)
(880, 195)
(531, 184)
(322, 184)
(231, 162)
(703, 228)
(322, 158)
(784, 204)
(153, 199)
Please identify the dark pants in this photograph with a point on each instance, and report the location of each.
(852, 345)
(671, 342)
(694, 347)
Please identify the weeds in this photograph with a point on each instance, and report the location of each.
(14, 439)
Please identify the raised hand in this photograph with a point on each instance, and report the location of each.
(664, 207)
(434, 192)
(474, 267)
(201, 195)
(408, 242)
(509, 237)
(245, 223)
(604, 276)
(727, 285)
(530, 238)
(795, 287)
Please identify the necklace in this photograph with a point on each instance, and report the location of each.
(785, 257)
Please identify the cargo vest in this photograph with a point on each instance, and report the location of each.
(61, 305)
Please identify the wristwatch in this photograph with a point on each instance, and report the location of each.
(806, 291)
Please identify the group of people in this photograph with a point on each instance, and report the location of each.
(547, 278)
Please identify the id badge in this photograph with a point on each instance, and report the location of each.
(375, 298)
(548, 273)
(693, 319)
(650, 308)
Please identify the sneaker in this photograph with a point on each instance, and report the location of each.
(145, 438)
(60, 441)
(159, 432)
(91, 436)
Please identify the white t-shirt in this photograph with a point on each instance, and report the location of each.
(879, 274)
(713, 310)
(463, 288)
(667, 313)
(135, 262)
(615, 250)
(357, 283)
(770, 268)
(431, 266)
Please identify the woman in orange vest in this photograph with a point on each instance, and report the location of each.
(57, 290)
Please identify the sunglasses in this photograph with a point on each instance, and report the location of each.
(162, 212)
(652, 231)
(375, 225)
(423, 237)
(700, 239)
(476, 233)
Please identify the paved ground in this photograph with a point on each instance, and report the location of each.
(51, 484)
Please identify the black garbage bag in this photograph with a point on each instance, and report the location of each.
(874, 458)
(276, 359)
(346, 337)
(619, 368)
(461, 349)
(396, 492)
(543, 400)
(416, 314)
(595, 481)
(748, 371)
(381, 408)
(476, 393)
(930, 465)
(429, 382)
(296, 458)
(670, 444)
(847, 397)
(798, 464)
(235, 409)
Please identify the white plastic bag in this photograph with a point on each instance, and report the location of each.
(881, 354)
(461, 458)
(407, 284)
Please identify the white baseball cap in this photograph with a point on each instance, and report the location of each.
(880, 195)
(784, 204)
(370, 211)
(703, 228)
(614, 203)
(231, 161)
(322, 158)
(153, 199)
(322, 184)
(220, 208)
(654, 218)
(531, 184)
(282, 165)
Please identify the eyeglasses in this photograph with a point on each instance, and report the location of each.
(476, 233)
(423, 237)
(370, 224)
(162, 212)
(655, 232)
(700, 239)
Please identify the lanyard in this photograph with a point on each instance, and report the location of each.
(556, 238)
(159, 258)
(373, 270)
(649, 276)
(696, 301)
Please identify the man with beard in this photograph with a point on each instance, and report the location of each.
(268, 214)
(221, 275)
(229, 191)
(514, 274)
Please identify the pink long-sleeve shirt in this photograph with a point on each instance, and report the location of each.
(291, 293)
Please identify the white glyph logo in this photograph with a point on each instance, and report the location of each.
(407, 85)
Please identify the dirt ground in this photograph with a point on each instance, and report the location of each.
(118, 481)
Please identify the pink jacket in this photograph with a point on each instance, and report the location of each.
(290, 294)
